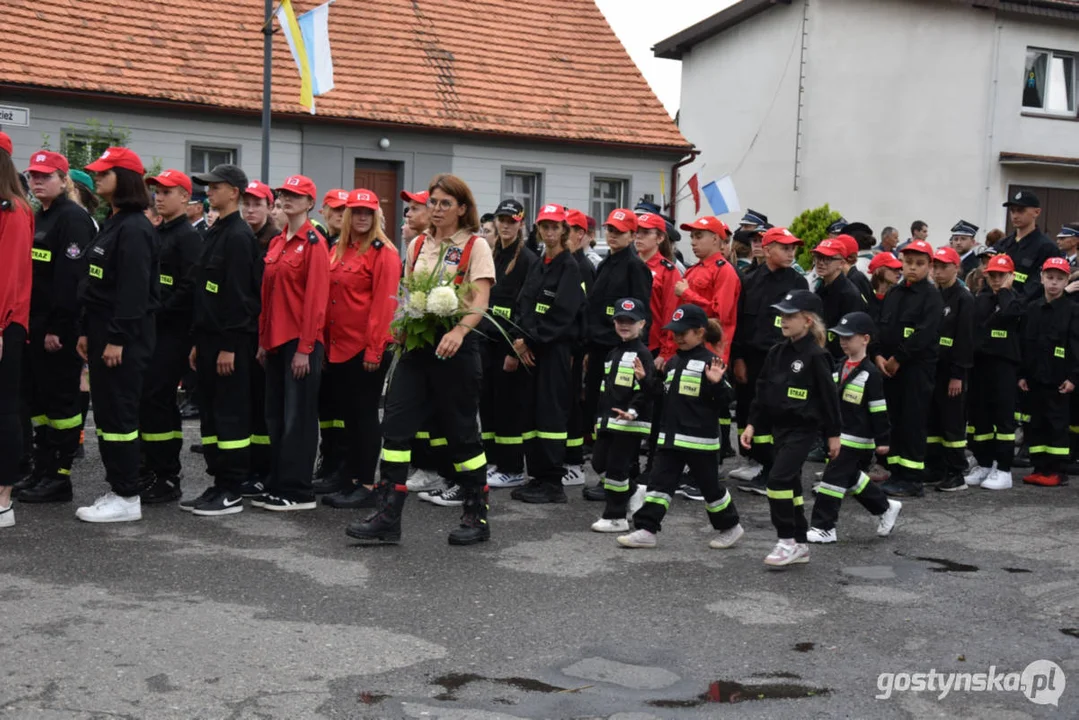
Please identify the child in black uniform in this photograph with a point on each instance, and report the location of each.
(625, 409)
(864, 425)
(796, 398)
(689, 434)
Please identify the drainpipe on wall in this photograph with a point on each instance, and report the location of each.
(991, 129)
(693, 154)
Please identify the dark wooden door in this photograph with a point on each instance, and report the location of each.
(384, 184)
(1059, 206)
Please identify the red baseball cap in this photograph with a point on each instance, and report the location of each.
(557, 213)
(46, 161)
(257, 188)
(421, 197)
(947, 255)
(884, 259)
(171, 178)
(117, 157)
(299, 185)
(577, 219)
(1000, 263)
(5, 142)
(651, 221)
(831, 248)
(848, 244)
(918, 246)
(622, 220)
(780, 235)
(336, 198)
(1057, 263)
(361, 198)
(709, 223)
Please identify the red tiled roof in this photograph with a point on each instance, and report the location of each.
(541, 68)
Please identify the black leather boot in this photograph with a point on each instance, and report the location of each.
(357, 496)
(385, 524)
(54, 488)
(474, 528)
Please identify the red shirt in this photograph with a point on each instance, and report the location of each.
(363, 298)
(295, 287)
(16, 242)
(663, 304)
(714, 286)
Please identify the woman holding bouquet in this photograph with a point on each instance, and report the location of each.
(450, 270)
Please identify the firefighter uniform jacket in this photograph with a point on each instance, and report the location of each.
(862, 408)
(996, 324)
(620, 275)
(1028, 254)
(587, 270)
(714, 286)
(956, 333)
(61, 235)
(506, 290)
(16, 273)
(295, 290)
(663, 303)
(691, 404)
(909, 323)
(180, 246)
(839, 298)
(1050, 342)
(621, 389)
(550, 302)
(758, 323)
(363, 299)
(795, 389)
(264, 235)
(861, 284)
(122, 279)
(228, 280)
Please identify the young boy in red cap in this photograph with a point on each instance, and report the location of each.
(1049, 373)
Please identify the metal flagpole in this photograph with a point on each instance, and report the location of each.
(267, 88)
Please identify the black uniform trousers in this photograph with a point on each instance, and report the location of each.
(225, 412)
(448, 391)
(504, 394)
(744, 394)
(261, 459)
(909, 395)
(160, 428)
(116, 394)
(579, 426)
(1074, 427)
(667, 476)
(792, 447)
(358, 393)
(947, 430)
(548, 410)
(292, 419)
(10, 421)
(657, 423)
(429, 451)
(613, 457)
(1047, 430)
(992, 411)
(593, 378)
(331, 426)
(51, 385)
(846, 474)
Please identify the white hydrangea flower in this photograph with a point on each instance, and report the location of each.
(417, 304)
(442, 301)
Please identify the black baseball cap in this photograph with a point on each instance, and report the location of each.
(631, 308)
(798, 301)
(687, 317)
(511, 208)
(1023, 198)
(855, 323)
(229, 174)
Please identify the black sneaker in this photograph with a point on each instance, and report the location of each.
(253, 487)
(899, 488)
(757, 485)
(28, 480)
(280, 504)
(48, 490)
(357, 497)
(223, 503)
(207, 495)
(952, 483)
(817, 455)
(540, 494)
(594, 493)
(197, 449)
(1022, 458)
(689, 492)
(162, 489)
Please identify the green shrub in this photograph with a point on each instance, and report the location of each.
(811, 227)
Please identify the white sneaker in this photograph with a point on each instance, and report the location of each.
(887, 520)
(7, 516)
(821, 537)
(604, 525)
(425, 481)
(505, 480)
(787, 552)
(727, 538)
(746, 472)
(110, 508)
(977, 474)
(998, 480)
(574, 476)
(636, 501)
(638, 539)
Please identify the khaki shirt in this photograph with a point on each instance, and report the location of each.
(481, 264)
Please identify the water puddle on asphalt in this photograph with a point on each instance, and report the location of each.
(452, 682)
(1074, 632)
(804, 647)
(945, 564)
(728, 691)
(1016, 570)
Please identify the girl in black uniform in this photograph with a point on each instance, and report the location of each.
(551, 322)
(796, 399)
(120, 298)
(695, 395)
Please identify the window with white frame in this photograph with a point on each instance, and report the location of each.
(204, 158)
(524, 187)
(607, 194)
(1049, 82)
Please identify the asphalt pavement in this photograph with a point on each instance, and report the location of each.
(280, 615)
